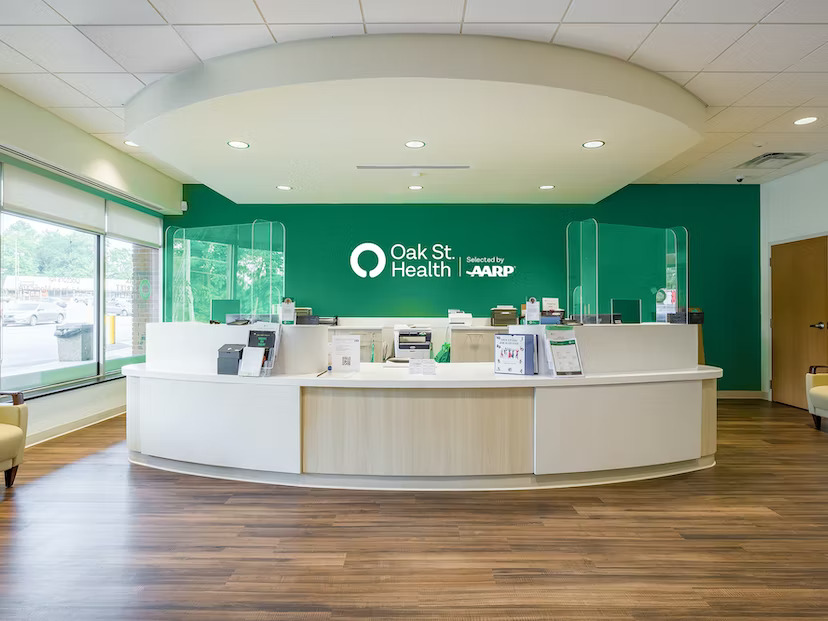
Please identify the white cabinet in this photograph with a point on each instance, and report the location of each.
(474, 345)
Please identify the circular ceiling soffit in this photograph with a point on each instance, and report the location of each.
(334, 115)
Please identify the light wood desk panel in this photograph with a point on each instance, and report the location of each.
(417, 431)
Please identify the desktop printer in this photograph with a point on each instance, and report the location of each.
(412, 342)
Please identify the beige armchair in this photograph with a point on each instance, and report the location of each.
(13, 421)
(816, 388)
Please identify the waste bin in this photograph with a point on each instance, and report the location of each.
(75, 342)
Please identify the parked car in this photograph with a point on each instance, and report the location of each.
(118, 307)
(32, 313)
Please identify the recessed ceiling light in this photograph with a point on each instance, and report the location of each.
(415, 144)
(547, 187)
(593, 144)
(415, 187)
(130, 143)
(284, 187)
(237, 144)
(806, 121)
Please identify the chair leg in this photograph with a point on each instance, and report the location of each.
(10, 474)
(817, 421)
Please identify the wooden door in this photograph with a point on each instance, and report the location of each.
(799, 300)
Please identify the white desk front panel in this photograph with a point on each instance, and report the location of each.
(590, 428)
(251, 426)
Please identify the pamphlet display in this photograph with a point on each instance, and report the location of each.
(515, 354)
(288, 312)
(562, 351)
(345, 353)
(533, 311)
(258, 357)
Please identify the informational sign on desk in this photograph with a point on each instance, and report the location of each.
(515, 354)
(562, 350)
(345, 353)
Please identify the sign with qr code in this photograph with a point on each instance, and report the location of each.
(345, 353)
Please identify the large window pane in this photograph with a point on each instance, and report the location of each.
(133, 299)
(48, 274)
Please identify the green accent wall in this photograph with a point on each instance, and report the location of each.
(722, 221)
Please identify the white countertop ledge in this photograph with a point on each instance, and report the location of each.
(454, 375)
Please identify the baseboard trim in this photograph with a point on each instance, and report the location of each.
(76, 425)
(743, 394)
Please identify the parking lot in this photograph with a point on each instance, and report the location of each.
(31, 346)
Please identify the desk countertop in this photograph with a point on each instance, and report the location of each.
(454, 375)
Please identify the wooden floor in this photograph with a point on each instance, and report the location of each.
(85, 536)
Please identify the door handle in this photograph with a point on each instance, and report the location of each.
(818, 326)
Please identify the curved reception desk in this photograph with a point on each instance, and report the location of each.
(643, 409)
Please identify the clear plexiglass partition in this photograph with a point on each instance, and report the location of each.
(227, 270)
(626, 274)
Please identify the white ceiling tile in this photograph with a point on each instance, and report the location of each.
(294, 32)
(108, 89)
(800, 12)
(785, 122)
(815, 61)
(12, 61)
(619, 40)
(615, 11)
(531, 32)
(107, 11)
(787, 89)
(209, 11)
(310, 11)
(783, 141)
(720, 11)
(212, 41)
(724, 89)
(92, 120)
(57, 48)
(118, 111)
(143, 49)
(741, 119)
(523, 11)
(412, 11)
(680, 77)
(712, 111)
(686, 47)
(149, 78)
(426, 28)
(44, 89)
(771, 47)
(28, 12)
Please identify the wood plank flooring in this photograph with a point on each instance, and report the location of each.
(85, 536)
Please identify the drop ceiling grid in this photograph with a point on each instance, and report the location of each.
(759, 62)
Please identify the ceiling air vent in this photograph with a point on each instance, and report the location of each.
(774, 160)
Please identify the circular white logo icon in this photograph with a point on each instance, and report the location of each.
(368, 247)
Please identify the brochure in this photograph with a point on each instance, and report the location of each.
(562, 350)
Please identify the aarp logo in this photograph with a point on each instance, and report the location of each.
(376, 251)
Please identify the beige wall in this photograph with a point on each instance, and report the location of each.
(30, 129)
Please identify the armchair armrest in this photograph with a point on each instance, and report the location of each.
(17, 415)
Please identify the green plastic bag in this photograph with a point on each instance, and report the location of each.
(444, 355)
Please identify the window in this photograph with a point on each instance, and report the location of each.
(48, 274)
(133, 297)
(61, 323)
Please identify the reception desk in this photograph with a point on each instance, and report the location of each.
(643, 409)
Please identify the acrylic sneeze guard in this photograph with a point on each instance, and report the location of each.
(227, 270)
(626, 274)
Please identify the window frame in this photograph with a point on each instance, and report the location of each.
(101, 373)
